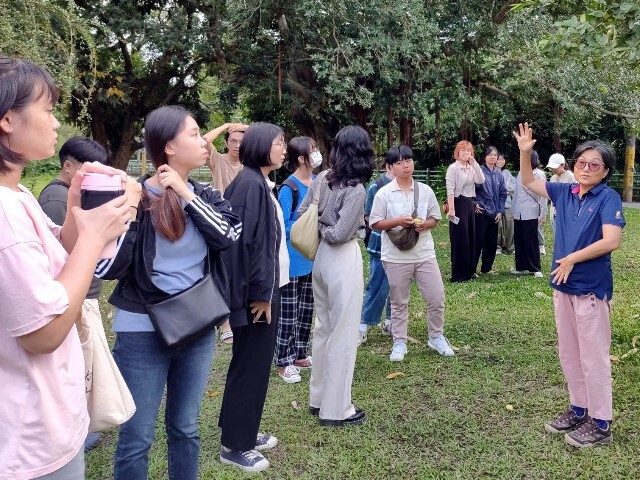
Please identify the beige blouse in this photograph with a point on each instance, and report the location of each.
(461, 180)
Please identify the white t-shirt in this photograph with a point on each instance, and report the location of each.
(43, 411)
(390, 202)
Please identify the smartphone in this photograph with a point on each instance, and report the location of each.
(455, 220)
(90, 199)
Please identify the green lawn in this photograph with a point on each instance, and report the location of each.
(446, 417)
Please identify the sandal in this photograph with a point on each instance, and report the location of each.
(226, 337)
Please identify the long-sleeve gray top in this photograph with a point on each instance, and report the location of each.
(340, 211)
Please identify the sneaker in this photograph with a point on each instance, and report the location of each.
(518, 272)
(248, 461)
(363, 337)
(398, 352)
(303, 363)
(355, 419)
(265, 441)
(543, 251)
(566, 422)
(538, 274)
(498, 251)
(289, 374)
(589, 434)
(386, 327)
(441, 345)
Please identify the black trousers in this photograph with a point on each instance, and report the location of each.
(462, 239)
(248, 380)
(525, 236)
(486, 242)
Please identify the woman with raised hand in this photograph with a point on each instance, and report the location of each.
(45, 275)
(589, 223)
(461, 179)
(181, 230)
(338, 284)
(258, 266)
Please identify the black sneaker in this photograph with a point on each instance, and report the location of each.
(248, 461)
(314, 411)
(566, 422)
(355, 419)
(589, 434)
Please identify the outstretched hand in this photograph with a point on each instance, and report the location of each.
(525, 138)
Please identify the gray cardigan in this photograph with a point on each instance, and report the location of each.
(527, 205)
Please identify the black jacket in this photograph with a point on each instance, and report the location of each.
(252, 262)
(136, 249)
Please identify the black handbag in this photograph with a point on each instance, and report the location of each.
(407, 237)
(185, 316)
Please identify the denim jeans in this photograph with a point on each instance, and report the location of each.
(376, 294)
(147, 366)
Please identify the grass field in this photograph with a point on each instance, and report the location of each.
(446, 418)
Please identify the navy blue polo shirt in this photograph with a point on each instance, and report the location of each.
(579, 223)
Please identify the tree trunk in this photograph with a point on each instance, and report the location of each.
(629, 164)
(127, 146)
(438, 133)
(557, 118)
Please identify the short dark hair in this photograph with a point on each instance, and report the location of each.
(488, 151)
(535, 160)
(298, 147)
(82, 149)
(395, 154)
(255, 148)
(22, 83)
(351, 159)
(605, 151)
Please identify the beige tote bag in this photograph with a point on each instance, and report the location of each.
(305, 235)
(109, 401)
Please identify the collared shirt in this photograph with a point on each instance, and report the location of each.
(565, 177)
(374, 245)
(492, 193)
(390, 202)
(462, 180)
(579, 223)
(527, 205)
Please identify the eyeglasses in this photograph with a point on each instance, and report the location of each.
(404, 161)
(280, 143)
(592, 166)
(234, 142)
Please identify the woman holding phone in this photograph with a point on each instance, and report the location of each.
(180, 231)
(45, 276)
(461, 178)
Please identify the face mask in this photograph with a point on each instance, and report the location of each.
(316, 159)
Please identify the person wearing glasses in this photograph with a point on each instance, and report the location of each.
(224, 168)
(589, 223)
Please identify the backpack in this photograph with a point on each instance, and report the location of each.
(367, 229)
(294, 194)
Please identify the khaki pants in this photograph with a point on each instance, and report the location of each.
(337, 290)
(429, 282)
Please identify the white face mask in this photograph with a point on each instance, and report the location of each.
(316, 159)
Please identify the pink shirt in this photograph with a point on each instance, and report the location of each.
(43, 408)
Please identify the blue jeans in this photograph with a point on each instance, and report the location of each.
(376, 294)
(147, 366)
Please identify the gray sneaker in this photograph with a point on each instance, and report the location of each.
(362, 338)
(589, 434)
(398, 352)
(248, 461)
(566, 422)
(385, 325)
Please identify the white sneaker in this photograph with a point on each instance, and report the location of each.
(538, 274)
(517, 272)
(386, 327)
(543, 251)
(289, 374)
(398, 352)
(363, 337)
(441, 345)
(498, 251)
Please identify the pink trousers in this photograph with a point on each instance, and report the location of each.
(584, 339)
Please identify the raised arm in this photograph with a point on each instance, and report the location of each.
(525, 144)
